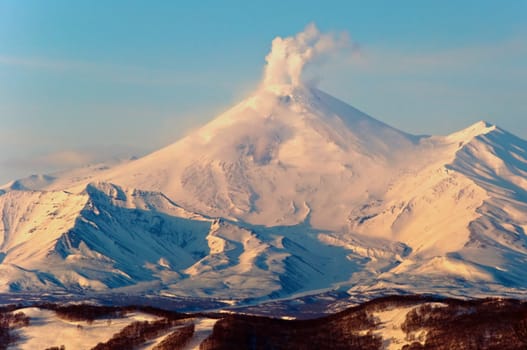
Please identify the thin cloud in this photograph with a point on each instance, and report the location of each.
(118, 73)
(396, 61)
(67, 159)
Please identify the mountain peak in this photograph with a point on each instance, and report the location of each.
(479, 128)
(483, 126)
(283, 90)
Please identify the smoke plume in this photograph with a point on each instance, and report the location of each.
(291, 55)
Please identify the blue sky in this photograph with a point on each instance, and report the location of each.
(84, 80)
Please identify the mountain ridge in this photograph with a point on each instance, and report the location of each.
(291, 192)
(285, 193)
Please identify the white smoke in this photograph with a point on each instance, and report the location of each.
(290, 56)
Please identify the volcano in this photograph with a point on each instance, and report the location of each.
(291, 191)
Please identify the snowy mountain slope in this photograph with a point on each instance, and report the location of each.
(47, 330)
(313, 194)
(107, 237)
(399, 188)
(261, 161)
(393, 322)
(464, 219)
(291, 190)
(90, 240)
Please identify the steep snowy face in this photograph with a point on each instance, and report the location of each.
(276, 157)
(463, 215)
(131, 240)
(104, 237)
(429, 204)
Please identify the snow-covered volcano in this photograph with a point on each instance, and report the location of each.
(276, 157)
(291, 190)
